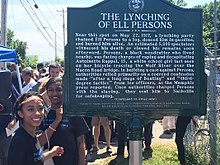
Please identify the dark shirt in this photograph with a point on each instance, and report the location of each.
(23, 150)
(35, 87)
(4, 120)
(66, 136)
(14, 79)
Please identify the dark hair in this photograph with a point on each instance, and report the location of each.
(54, 65)
(21, 98)
(52, 80)
(40, 65)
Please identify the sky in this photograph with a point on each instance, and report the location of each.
(41, 25)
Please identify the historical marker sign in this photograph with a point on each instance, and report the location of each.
(134, 58)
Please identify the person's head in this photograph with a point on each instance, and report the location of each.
(54, 69)
(43, 72)
(13, 67)
(26, 74)
(30, 109)
(54, 90)
(36, 74)
(40, 66)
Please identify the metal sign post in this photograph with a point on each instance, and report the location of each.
(135, 152)
(135, 136)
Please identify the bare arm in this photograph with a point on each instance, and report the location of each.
(81, 149)
(55, 151)
(50, 131)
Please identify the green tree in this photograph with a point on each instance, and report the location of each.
(32, 62)
(208, 25)
(60, 61)
(20, 47)
(180, 3)
(10, 35)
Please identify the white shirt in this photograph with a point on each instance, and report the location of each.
(29, 86)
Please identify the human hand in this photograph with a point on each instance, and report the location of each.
(57, 151)
(59, 113)
(11, 124)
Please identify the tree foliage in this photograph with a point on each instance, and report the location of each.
(60, 61)
(180, 3)
(208, 25)
(20, 47)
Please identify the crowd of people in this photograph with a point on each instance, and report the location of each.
(46, 134)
